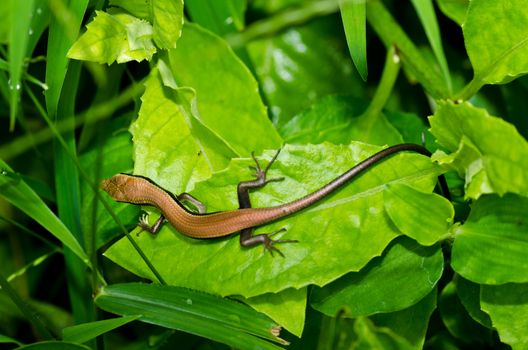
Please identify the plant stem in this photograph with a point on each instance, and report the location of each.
(90, 116)
(414, 62)
(384, 90)
(26, 310)
(281, 21)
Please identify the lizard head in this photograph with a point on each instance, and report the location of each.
(118, 186)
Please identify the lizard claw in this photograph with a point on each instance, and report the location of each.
(269, 244)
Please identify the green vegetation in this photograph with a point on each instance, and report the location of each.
(184, 92)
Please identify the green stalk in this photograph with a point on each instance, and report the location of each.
(384, 90)
(95, 189)
(281, 21)
(25, 309)
(90, 116)
(391, 34)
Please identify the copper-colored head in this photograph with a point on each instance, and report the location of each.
(118, 186)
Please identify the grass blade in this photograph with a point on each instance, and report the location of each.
(427, 16)
(18, 41)
(19, 194)
(88, 331)
(354, 21)
(25, 309)
(194, 312)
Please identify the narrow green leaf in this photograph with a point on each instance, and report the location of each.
(5, 21)
(62, 34)
(18, 41)
(53, 345)
(194, 312)
(413, 61)
(370, 336)
(496, 58)
(25, 309)
(454, 9)
(425, 217)
(87, 331)
(410, 323)
(379, 287)
(19, 194)
(492, 245)
(507, 306)
(487, 151)
(324, 252)
(427, 16)
(354, 21)
(116, 156)
(457, 320)
(114, 37)
(336, 119)
(4, 339)
(167, 21)
(39, 23)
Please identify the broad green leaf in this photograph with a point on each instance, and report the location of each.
(239, 105)
(220, 17)
(223, 320)
(427, 16)
(492, 245)
(167, 21)
(454, 9)
(507, 306)
(285, 67)
(411, 128)
(20, 195)
(184, 134)
(354, 22)
(379, 287)
(410, 323)
(495, 35)
(138, 8)
(337, 119)
(18, 41)
(114, 37)
(166, 17)
(83, 332)
(425, 217)
(287, 308)
(457, 320)
(165, 142)
(488, 151)
(54, 345)
(352, 220)
(469, 294)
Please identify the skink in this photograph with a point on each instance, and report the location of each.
(142, 191)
